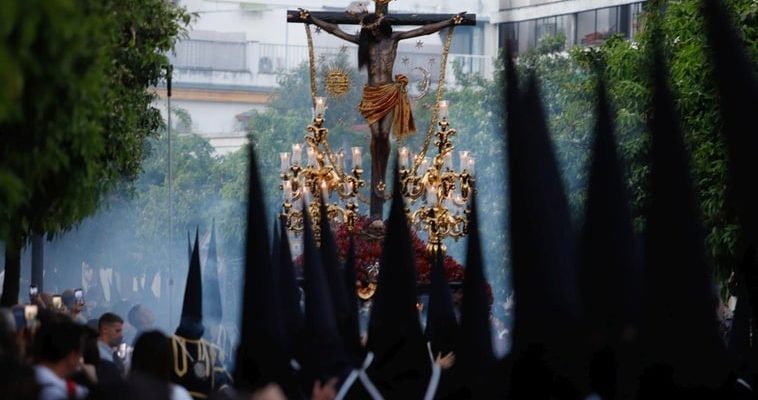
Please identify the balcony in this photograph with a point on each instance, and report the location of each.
(254, 65)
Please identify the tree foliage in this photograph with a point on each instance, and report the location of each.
(74, 112)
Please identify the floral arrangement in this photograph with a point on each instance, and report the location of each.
(368, 250)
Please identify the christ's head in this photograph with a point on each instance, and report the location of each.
(373, 29)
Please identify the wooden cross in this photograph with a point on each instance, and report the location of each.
(344, 18)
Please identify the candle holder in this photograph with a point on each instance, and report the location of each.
(324, 175)
(446, 193)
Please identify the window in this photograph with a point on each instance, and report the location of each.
(586, 32)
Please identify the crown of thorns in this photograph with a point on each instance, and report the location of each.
(374, 24)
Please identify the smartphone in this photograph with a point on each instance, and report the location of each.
(121, 350)
(79, 295)
(57, 302)
(33, 291)
(30, 315)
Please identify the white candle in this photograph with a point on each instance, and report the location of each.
(311, 156)
(287, 191)
(471, 165)
(357, 157)
(320, 106)
(285, 161)
(464, 155)
(431, 194)
(340, 161)
(424, 165)
(443, 109)
(297, 153)
(324, 191)
(306, 196)
(449, 161)
(449, 201)
(403, 157)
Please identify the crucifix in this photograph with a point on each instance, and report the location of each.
(384, 104)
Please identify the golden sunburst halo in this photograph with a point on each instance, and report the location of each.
(337, 81)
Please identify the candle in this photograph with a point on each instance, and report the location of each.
(320, 106)
(285, 161)
(324, 191)
(403, 157)
(449, 161)
(431, 194)
(443, 109)
(287, 191)
(311, 156)
(297, 153)
(449, 201)
(356, 157)
(306, 196)
(424, 164)
(348, 188)
(340, 161)
(471, 165)
(464, 156)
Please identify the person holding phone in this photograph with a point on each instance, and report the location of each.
(73, 300)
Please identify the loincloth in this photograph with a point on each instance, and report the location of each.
(378, 101)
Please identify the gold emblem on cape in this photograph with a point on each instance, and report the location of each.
(337, 82)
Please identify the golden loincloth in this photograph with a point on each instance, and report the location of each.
(378, 101)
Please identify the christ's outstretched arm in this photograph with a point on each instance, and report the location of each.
(431, 28)
(331, 28)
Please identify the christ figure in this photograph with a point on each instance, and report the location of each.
(384, 104)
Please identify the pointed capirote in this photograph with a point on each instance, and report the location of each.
(547, 341)
(476, 356)
(736, 82)
(326, 355)
(212, 306)
(401, 366)
(679, 306)
(610, 268)
(191, 322)
(442, 328)
(344, 311)
(261, 358)
(294, 320)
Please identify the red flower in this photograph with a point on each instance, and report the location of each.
(368, 251)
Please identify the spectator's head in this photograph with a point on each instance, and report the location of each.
(152, 356)
(111, 328)
(59, 346)
(69, 300)
(141, 318)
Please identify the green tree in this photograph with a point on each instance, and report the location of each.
(74, 114)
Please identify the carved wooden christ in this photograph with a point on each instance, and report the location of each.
(384, 104)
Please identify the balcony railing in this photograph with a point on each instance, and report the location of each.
(255, 64)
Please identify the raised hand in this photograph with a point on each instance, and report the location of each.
(447, 361)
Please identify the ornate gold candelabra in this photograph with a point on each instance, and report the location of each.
(445, 192)
(322, 177)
